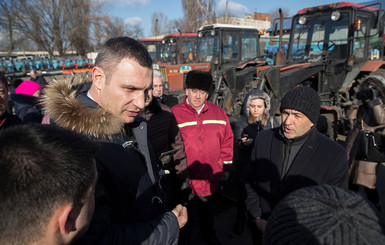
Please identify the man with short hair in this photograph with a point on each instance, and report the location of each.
(47, 184)
(208, 141)
(128, 201)
(291, 157)
(158, 90)
(6, 119)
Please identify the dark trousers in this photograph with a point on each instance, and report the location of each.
(203, 208)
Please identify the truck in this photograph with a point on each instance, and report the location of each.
(332, 49)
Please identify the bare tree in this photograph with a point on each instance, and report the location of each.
(160, 24)
(116, 26)
(7, 22)
(44, 22)
(79, 23)
(197, 13)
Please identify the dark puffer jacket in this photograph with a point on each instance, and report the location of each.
(27, 108)
(128, 199)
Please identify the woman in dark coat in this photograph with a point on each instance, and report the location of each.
(255, 118)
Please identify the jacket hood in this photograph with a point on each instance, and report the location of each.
(61, 102)
(255, 94)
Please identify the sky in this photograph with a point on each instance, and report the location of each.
(138, 12)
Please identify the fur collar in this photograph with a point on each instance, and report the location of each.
(60, 103)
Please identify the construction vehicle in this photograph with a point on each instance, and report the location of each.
(177, 58)
(154, 46)
(178, 48)
(332, 48)
(231, 51)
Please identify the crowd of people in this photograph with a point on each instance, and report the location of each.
(114, 160)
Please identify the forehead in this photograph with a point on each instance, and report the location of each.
(195, 90)
(292, 111)
(130, 73)
(157, 81)
(257, 101)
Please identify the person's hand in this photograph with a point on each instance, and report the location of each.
(247, 142)
(181, 214)
(261, 224)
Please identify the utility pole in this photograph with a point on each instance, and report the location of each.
(226, 15)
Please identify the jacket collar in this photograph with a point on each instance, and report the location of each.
(69, 107)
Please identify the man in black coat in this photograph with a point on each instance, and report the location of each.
(291, 157)
(128, 198)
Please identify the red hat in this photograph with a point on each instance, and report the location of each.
(27, 87)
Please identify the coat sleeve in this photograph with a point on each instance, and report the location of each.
(227, 146)
(179, 157)
(162, 230)
(252, 198)
(339, 171)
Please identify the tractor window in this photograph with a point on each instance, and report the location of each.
(249, 45)
(230, 46)
(152, 49)
(188, 50)
(359, 40)
(208, 48)
(318, 35)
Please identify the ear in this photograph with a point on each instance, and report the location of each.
(98, 77)
(67, 218)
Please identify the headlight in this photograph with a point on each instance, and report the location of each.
(164, 41)
(212, 33)
(336, 15)
(302, 20)
(171, 40)
(200, 34)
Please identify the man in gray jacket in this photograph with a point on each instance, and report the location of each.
(128, 198)
(291, 157)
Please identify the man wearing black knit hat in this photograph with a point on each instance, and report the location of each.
(291, 157)
(208, 141)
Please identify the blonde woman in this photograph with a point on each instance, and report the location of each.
(255, 118)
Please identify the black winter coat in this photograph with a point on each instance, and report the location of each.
(319, 161)
(128, 199)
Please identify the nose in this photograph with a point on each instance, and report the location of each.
(139, 99)
(198, 95)
(288, 120)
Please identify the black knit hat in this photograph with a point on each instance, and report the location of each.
(201, 80)
(324, 215)
(303, 99)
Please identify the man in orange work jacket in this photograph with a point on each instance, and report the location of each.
(208, 141)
